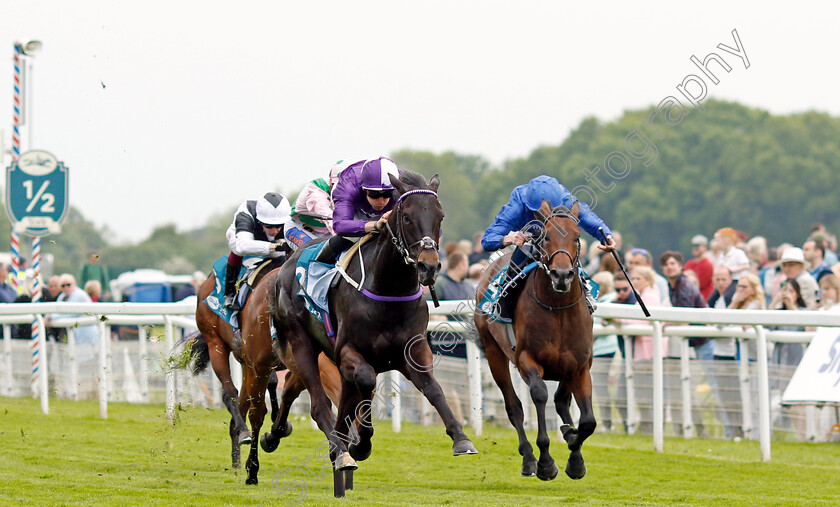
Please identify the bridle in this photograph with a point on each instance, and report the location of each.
(545, 261)
(426, 243)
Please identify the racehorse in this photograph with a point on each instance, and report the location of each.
(217, 340)
(379, 326)
(553, 330)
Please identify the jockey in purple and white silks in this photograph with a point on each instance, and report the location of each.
(517, 213)
(362, 197)
(313, 202)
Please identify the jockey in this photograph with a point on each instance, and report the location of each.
(256, 231)
(516, 214)
(363, 198)
(314, 199)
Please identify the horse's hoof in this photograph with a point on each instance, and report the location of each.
(245, 437)
(345, 462)
(463, 447)
(360, 452)
(268, 442)
(529, 468)
(575, 468)
(546, 473)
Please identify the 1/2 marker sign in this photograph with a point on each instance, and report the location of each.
(36, 193)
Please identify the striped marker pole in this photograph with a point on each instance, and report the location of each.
(38, 332)
(15, 155)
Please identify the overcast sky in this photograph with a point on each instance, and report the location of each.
(173, 111)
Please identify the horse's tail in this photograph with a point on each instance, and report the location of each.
(195, 345)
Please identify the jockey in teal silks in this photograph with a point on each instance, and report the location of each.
(516, 214)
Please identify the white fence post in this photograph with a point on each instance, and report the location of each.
(763, 394)
(474, 379)
(144, 362)
(103, 374)
(631, 392)
(685, 383)
(7, 361)
(170, 372)
(658, 384)
(396, 411)
(45, 379)
(74, 366)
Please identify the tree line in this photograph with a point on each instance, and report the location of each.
(659, 184)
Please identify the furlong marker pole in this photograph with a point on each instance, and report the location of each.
(15, 155)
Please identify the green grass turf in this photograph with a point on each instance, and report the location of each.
(71, 457)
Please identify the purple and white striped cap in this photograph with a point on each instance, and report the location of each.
(375, 174)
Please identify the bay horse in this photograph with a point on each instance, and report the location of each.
(217, 341)
(379, 325)
(553, 330)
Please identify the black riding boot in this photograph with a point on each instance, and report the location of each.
(231, 276)
(332, 249)
(507, 301)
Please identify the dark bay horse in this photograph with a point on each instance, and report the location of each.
(217, 340)
(553, 329)
(380, 326)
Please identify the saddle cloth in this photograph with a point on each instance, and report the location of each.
(494, 289)
(216, 299)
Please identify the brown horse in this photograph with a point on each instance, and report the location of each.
(553, 329)
(380, 326)
(217, 340)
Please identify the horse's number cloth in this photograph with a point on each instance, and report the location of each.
(216, 299)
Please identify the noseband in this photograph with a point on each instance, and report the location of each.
(426, 243)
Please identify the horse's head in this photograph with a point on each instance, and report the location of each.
(560, 248)
(415, 223)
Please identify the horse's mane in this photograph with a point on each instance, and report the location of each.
(413, 179)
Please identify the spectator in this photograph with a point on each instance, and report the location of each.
(641, 257)
(643, 280)
(94, 270)
(756, 250)
(8, 294)
(478, 253)
(701, 264)
(731, 256)
(94, 290)
(604, 351)
(814, 252)
(793, 267)
(684, 294)
(70, 293)
(50, 294)
(830, 241)
(830, 286)
(692, 277)
(791, 298)
(465, 246)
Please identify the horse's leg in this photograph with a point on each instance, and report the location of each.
(281, 426)
(420, 374)
(220, 360)
(254, 384)
(358, 383)
(501, 374)
(581, 385)
(531, 371)
(272, 395)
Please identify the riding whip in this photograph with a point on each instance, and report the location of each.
(620, 265)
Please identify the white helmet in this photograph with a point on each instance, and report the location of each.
(273, 209)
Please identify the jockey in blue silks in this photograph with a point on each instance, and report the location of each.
(363, 197)
(517, 213)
